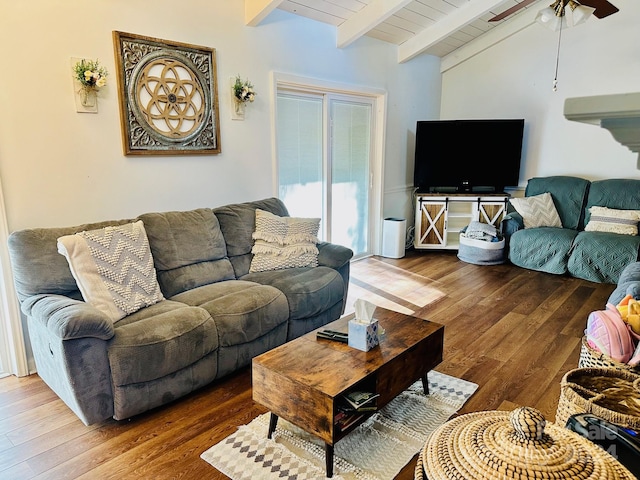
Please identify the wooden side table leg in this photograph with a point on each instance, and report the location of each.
(273, 422)
(328, 453)
(425, 384)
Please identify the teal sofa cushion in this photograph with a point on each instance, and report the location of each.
(545, 249)
(617, 193)
(601, 257)
(569, 196)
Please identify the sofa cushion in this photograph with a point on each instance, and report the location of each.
(160, 340)
(238, 222)
(243, 311)
(188, 249)
(617, 193)
(603, 219)
(545, 249)
(601, 257)
(537, 211)
(284, 242)
(309, 291)
(569, 196)
(628, 284)
(113, 268)
(38, 267)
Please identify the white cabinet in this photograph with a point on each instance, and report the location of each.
(439, 218)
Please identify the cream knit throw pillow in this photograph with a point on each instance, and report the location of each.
(284, 242)
(603, 219)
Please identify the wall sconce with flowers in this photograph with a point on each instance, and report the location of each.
(89, 77)
(242, 92)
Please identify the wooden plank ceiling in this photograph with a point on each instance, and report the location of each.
(434, 27)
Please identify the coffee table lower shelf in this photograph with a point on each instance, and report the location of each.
(328, 447)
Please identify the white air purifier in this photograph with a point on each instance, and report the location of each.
(394, 232)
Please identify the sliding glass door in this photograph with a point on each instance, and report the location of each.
(324, 162)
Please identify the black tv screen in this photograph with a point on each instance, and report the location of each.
(465, 156)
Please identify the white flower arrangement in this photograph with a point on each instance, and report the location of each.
(243, 91)
(90, 74)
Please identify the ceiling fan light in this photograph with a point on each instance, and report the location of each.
(580, 14)
(547, 17)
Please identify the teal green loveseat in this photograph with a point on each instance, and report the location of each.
(591, 255)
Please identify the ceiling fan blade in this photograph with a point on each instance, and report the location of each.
(603, 8)
(512, 10)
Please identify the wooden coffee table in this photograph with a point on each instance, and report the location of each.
(303, 380)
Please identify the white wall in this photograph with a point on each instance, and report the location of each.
(59, 167)
(514, 79)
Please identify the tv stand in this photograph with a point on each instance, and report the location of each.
(439, 217)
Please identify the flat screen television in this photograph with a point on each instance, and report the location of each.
(466, 156)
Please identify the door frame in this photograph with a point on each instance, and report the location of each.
(379, 97)
(12, 341)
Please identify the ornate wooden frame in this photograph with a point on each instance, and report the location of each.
(168, 96)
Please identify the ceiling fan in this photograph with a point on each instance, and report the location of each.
(602, 8)
(554, 17)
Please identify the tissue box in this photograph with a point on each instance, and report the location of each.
(363, 336)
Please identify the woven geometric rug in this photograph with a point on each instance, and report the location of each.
(376, 450)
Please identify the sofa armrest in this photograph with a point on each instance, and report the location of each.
(336, 257)
(511, 223)
(332, 255)
(67, 318)
(69, 341)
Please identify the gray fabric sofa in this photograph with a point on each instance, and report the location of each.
(590, 255)
(215, 316)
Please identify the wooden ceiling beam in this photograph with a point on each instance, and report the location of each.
(489, 39)
(366, 19)
(257, 10)
(445, 27)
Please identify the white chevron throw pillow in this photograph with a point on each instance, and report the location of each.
(537, 211)
(113, 268)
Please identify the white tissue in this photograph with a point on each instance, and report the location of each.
(364, 311)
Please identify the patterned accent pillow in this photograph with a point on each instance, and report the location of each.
(284, 242)
(605, 219)
(113, 268)
(537, 211)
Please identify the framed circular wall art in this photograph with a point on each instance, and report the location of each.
(168, 96)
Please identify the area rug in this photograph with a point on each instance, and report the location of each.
(376, 450)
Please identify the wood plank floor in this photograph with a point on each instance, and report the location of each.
(512, 331)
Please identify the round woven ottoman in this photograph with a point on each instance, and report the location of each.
(497, 445)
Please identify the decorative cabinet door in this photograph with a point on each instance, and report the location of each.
(491, 212)
(431, 223)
